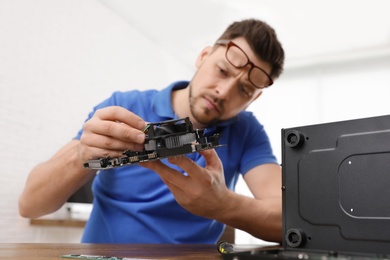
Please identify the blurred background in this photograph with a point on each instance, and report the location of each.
(58, 58)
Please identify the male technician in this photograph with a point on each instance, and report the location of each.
(185, 199)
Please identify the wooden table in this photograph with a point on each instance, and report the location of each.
(35, 251)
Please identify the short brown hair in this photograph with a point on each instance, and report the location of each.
(262, 39)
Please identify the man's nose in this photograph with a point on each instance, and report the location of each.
(224, 90)
(228, 87)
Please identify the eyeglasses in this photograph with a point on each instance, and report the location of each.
(238, 58)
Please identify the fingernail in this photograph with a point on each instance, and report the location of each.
(141, 125)
(140, 138)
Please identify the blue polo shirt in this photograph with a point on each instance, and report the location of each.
(133, 205)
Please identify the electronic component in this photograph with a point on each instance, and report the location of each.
(335, 190)
(225, 247)
(163, 139)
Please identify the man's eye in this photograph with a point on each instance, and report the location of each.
(245, 90)
(222, 71)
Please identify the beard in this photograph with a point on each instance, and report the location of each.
(202, 115)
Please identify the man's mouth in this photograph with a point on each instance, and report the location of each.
(211, 105)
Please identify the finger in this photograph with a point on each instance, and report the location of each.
(115, 130)
(120, 114)
(168, 175)
(190, 167)
(109, 143)
(186, 164)
(212, 159)
(96, 152)
(171, 179)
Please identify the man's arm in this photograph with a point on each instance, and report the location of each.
(51, 183)
(265, 183)
(203, 192)
(109, 132)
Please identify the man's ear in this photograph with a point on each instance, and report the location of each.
(203, 55)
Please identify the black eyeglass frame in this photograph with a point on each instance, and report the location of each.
(229, 44)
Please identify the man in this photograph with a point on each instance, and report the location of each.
(183, 199)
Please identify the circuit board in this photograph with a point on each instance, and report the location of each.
(163, 139)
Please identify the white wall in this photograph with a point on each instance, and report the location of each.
(59, 58)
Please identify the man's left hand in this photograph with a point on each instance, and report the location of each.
(203, 190)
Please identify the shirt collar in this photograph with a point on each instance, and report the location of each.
(162, 103)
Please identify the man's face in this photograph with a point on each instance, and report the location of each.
(219, 91)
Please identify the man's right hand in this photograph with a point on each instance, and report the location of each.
(110, 132)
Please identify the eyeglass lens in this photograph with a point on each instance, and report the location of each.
(239, 59)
